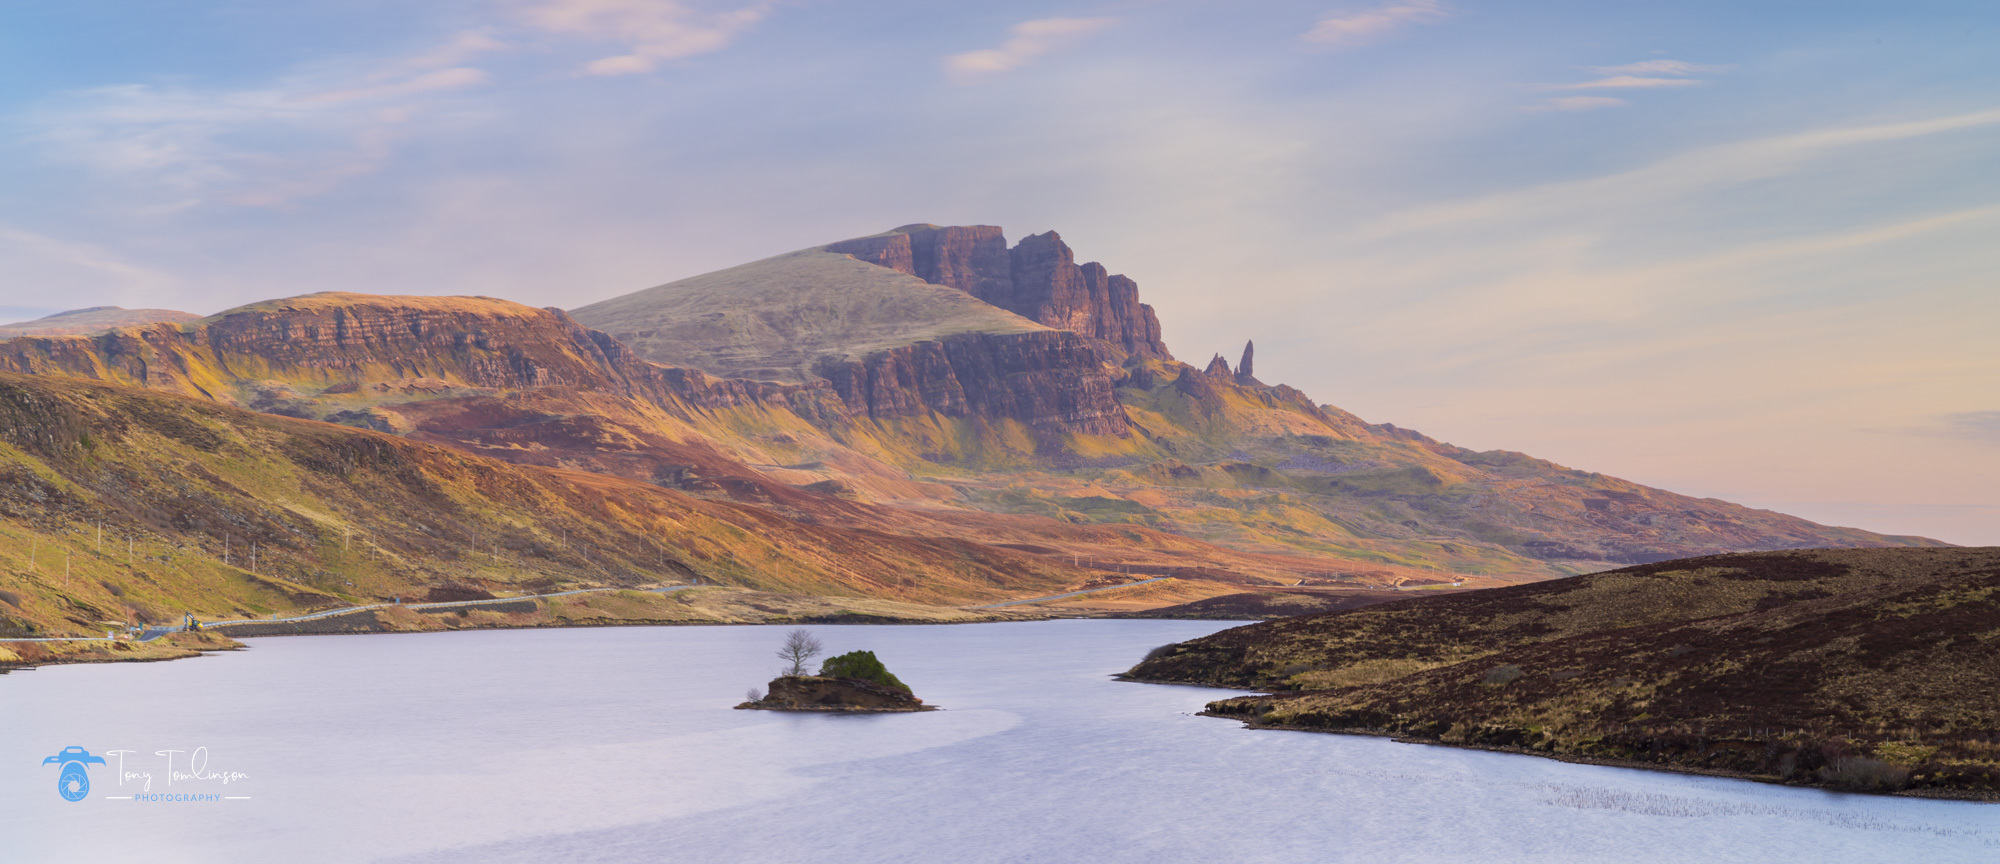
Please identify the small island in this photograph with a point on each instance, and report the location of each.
(855, 682)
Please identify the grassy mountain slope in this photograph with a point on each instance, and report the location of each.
(225, 512)
(528, 386)
(1223, 458)
(1865, 668)
(771, 320)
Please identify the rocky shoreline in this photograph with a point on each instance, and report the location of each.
(706, 606)
(1860, 670)
(1943, 794)
(836, 695)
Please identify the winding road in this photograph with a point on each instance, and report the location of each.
(152, 633)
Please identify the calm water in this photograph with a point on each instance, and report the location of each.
(618, 745)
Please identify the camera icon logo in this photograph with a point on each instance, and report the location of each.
(73, 783)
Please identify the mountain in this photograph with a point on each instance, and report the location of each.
(1037, 279)
(1863, 668)
(91, 320)
(531, 387)
(899, 402)
(892, 346)
(1121, 432)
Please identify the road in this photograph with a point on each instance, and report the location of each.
(1075, 593)
(152, 633)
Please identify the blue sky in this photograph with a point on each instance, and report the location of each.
(1734, 249)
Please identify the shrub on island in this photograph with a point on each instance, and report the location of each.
(863, 665)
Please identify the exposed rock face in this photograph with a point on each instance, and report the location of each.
(813, 693)
(517, 383)
(1218, 366)
(971, 258)
(1050, 380)
(1050, 287)
(885, 250)
(1243, 373)
(1038, 279)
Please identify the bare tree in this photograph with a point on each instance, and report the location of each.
(799, 649)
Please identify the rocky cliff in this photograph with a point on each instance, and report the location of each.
(275, 356)
(500, 379)
(1050, 380)
(890, 322)
(1038, 279)
(1244, 375)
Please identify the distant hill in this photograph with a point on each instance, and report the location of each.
(91, 320)
(1859, 668)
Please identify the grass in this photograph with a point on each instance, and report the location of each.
(340, 515)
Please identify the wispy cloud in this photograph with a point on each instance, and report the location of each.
(1658, 67)
(1643, 75)
(1028, 40)
(1577, 103)
(1976, 425)
(173, 147)
(654, 31)
(1354, 28)
(1630, 81)
(1678, 175)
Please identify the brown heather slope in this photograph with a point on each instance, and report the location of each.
(184, 492)
(1274, 603)
(1866, 669)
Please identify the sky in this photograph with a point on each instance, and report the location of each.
(1741, 250)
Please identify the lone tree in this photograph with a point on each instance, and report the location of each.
(799, 649)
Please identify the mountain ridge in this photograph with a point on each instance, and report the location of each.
(976, 429)
(92, 319)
